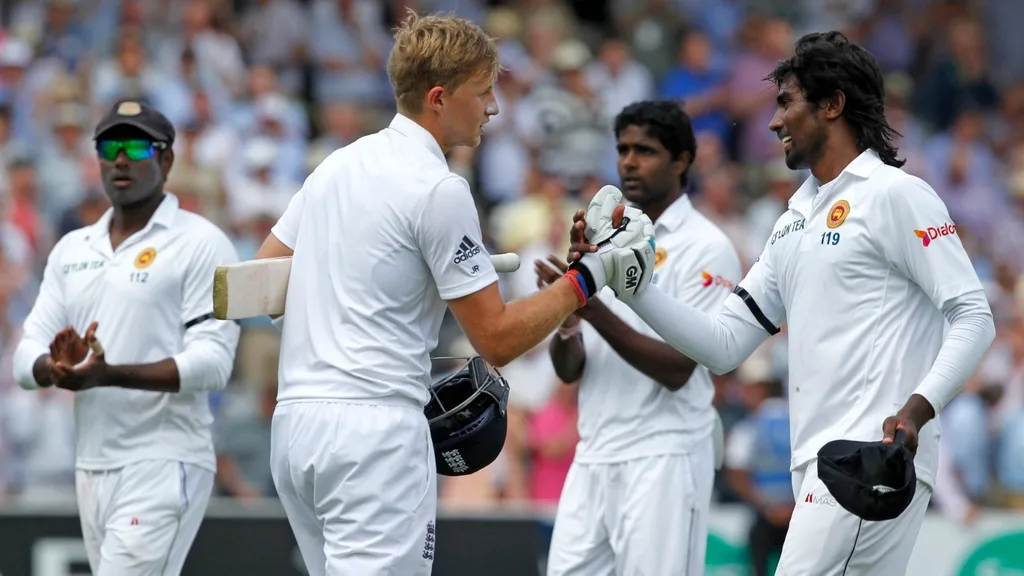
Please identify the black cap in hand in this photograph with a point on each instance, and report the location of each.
(871, 480)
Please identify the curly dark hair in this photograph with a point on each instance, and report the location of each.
(665, 121)
(828, 62)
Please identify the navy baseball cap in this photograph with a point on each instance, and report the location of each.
(871, 480)
(137, 114)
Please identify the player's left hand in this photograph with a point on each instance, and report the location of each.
(68, 347)
(917, 412)
(91, 374)
(896, 423)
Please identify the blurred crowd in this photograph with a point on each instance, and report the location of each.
(262, 90)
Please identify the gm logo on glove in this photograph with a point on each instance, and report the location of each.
(632, 277)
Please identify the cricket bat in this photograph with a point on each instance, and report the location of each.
(258, 287)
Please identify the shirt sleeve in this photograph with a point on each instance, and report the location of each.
(449, 237)
(720, 336)
(757, 296)
(47, 317)
(287, 228)
(208, 357)
(920, 240)
(718, 341)
(971, 333)
(712, 277)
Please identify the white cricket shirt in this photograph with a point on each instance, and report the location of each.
(623, 413)
(860, 269)
(383, 233)
(152, 300)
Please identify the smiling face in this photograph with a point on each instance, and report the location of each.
(800, 125)
(647, 171)
(128, 182)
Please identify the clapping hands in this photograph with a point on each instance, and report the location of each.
(68, 351)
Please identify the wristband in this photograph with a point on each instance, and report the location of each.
(578, 285)
(586, 280)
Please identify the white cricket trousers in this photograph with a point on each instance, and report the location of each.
(140, 520)
(358, 483)
(642, 517)
(826, 540)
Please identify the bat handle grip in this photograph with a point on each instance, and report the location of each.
(505, 263)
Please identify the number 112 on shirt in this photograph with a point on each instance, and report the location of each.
(830, 238)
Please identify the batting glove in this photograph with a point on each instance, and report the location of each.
(599, 214)
(621, 261)
(631, 268)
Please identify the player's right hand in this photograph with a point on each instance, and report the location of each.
(624, 260)
(550, 270)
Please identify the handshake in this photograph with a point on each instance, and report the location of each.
(613, 246)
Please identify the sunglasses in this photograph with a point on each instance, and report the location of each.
(135, 150)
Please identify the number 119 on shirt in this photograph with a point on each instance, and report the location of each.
(830, 238)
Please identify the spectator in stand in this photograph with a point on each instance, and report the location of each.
(553, 439)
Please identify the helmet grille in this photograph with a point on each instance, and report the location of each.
(449, 395)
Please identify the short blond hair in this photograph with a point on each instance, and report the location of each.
(439, 50)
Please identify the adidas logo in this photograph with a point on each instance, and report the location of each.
(467, 249)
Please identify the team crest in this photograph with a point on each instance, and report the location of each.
(145, 258)
(837, 215)
(659, 257)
